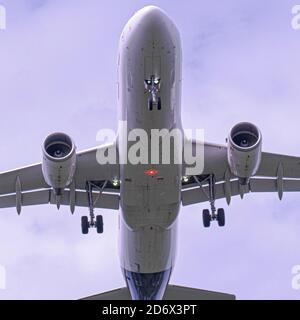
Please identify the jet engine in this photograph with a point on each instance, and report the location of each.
(244, 150)
(59, 161)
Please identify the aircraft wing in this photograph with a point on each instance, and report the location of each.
(26, 186)
(276, 173)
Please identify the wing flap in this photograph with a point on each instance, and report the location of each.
(28, 199)
(105, 201)
(198, 195)
(270, 185)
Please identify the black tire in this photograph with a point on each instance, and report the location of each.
(99, 224)
(150, 104)
(84, 225)
(221, 217)
(159, 104)
(206, 218)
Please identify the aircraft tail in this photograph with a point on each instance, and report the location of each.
(172, 293)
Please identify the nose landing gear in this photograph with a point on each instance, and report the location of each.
(152, 86)
(151, 103)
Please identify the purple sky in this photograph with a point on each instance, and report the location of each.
(58, 72)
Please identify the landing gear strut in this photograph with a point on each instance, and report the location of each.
(213, 214)
(152, 86)
(94, 221)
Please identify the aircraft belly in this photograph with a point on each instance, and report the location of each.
(150, 200)
(147, 249)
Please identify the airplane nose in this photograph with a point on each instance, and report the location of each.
(153, 20)
(149, 25)
(152, 15)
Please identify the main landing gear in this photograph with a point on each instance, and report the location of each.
(93, 222)
(209, 217)
(213, 214)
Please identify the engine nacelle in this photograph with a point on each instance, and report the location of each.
(59, 161)
(244, 150)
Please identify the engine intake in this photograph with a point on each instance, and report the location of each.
(244, 150)
(59, 161)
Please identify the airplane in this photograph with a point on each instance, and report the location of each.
(148, 196)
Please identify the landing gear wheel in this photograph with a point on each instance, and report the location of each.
(150, 104)
(99, 224)
(221, 217)
(206, 218)
(85, 225)
(159, 104)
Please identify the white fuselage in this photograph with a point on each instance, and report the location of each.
(150, 46)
